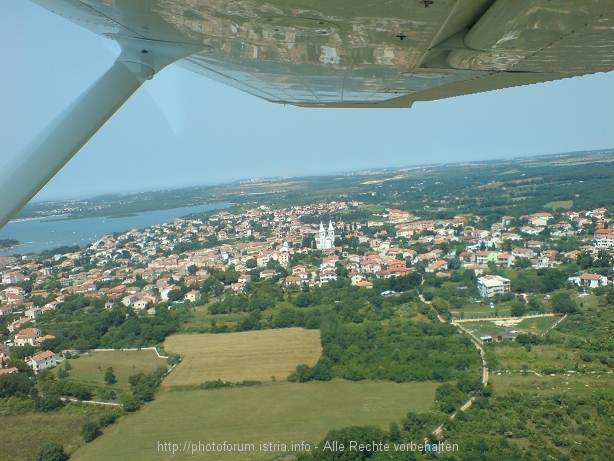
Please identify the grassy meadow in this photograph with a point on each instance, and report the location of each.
(512, 357)
(536, 326)
(250, 355)
(574, 383)
(278, 412)
(92, 367)
(562, 204)
(22, 435)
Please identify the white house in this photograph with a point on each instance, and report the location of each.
(491, 285)
(13, 277)
(129, 300)
(604, 238)
(33, 313)
(328, 275)
(540, 219)
(41, 361)
(589, 280)
(28, 336)
(193, 296)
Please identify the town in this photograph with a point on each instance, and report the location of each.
(294, 249)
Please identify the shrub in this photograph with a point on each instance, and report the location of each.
(70, 389)
(51, 451)
(302, 374)
(448, 397)
(109, 376)
(131, 403)
(107, 394)
(90, 431)
(48, 403)
(219, 384)
(106, 420)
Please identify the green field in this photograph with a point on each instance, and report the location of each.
(573, 383)
(536, 326)
(124, 363)
(280, 412)
(565, 204)
(513, 357)
(22, 436)
(479, 310)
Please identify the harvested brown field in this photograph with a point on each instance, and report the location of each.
(250, 355)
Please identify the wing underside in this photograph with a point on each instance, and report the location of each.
(358, 53)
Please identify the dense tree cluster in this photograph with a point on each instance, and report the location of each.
(514, 426)
(17, 385)
(82, 323)
(399, 351)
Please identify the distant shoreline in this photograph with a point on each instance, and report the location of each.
(36, 235)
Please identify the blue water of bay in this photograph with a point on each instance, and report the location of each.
(45, 234)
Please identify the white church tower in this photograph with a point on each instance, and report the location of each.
(326, 238)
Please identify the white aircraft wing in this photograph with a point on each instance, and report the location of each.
(352, 53)
(317, 53)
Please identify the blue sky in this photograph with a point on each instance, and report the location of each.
(182, 129)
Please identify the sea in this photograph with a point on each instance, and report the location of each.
(44, 234)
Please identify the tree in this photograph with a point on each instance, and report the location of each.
(441, 305)
(518, 309)
(175, 295)
(18, 385)
(109, 376)
(394, 434)
(131, 403)
(51, 451)
(535, 303)
(251, 263)
(562, 304)
(448, 397)
(62, 373)
(90, 431)
(48, 403)
(302, 374)
(323, 371)
(522, 263)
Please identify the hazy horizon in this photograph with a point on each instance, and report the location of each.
(333, 173)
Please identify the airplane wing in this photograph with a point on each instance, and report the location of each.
(358, 53)
(317, 53)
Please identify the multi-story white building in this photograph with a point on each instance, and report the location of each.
(28, 336)
(41, 361)
(604, 238)
(589, 280)
(491, 285)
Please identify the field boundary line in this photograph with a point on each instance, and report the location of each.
(131, 349)
(72, 399)
(474, 319)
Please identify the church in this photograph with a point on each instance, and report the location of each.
(325, 239)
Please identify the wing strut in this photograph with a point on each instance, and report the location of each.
(25, 173)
